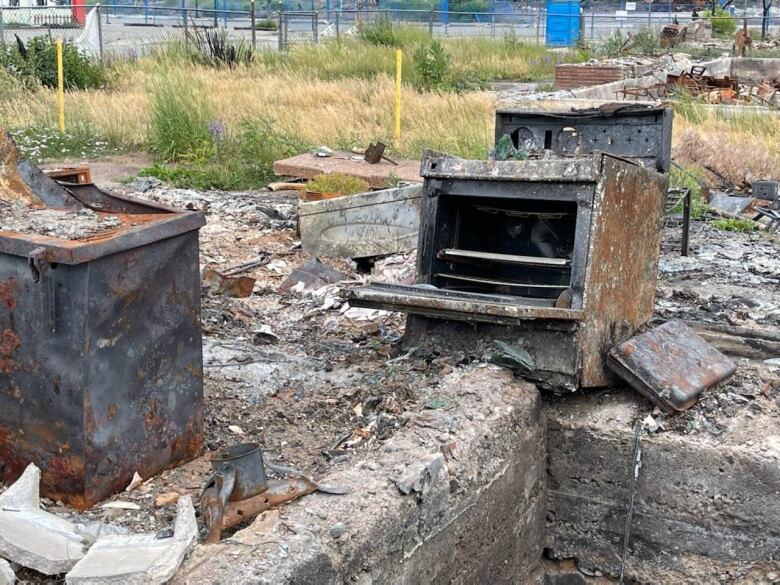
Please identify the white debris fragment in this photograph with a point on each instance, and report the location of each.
(7, 576)
(277, 266)
(361, 314)
(120, 505)
(134, 483)
(138, 559)
(236, 430)
(33, 537)
(650, 424)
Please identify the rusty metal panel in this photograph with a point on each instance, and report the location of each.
(622, 268)
(671, 365)
(100, 354)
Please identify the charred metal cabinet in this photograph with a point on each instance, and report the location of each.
(557, 255)
(100, 355)
(641, 133)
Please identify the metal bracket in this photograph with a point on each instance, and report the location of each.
(38, 263)
(39, 266)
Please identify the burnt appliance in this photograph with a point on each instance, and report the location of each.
(100, 348)
(558, 256)
(555, 254)
(638, 132)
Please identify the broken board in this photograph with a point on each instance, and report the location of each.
(308, 166)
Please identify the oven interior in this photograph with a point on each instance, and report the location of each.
(505, 246)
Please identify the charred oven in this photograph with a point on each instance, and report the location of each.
(556, 253)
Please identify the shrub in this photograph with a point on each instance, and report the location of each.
(36, 63)
(239, 158)
(337, 183)
(214, 48)
(644, 42)
(723, 24)
(381, 32)
(180, 114)
(690, 178)
(433, 66)
(735, 225)
(266, 24)
(384, 33)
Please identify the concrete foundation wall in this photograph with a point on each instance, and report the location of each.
(475, 513)
(704, 505)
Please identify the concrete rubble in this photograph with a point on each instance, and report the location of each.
(7, 575)
(143, 559)
(33, 537)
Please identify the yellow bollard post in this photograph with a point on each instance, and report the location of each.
(398, 61)
(60, 87)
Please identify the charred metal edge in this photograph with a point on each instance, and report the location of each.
(486, 309)
(67, 252)
(559, 170)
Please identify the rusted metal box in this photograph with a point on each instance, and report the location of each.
(100, 354)
(638, 132)
(557, 255)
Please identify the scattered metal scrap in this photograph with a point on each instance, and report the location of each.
(229, 282)
(729, 206)
(708, 88)
(239, 489)
(80, 175)
(375, 153)
(673, 34)
(363, 225)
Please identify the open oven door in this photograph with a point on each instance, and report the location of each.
(430, 301)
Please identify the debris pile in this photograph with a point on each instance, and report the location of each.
(708, 89)
(56, 223)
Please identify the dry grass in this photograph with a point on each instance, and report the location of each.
(341, 113)
(739, 148)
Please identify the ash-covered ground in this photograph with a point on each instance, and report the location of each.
(321, 386)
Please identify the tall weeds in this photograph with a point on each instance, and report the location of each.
(180, 115)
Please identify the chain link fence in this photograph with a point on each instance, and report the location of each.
(120, 31)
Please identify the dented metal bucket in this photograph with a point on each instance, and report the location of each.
(100, 340)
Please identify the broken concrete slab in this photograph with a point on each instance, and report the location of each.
(378, 175)
(142, 559)
(364, 225)
(7, 575)
(33, 537)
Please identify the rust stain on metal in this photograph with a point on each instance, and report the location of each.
(101, 376)
(13, 188)
(7, 292)
(9, 342)
(623, 261)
